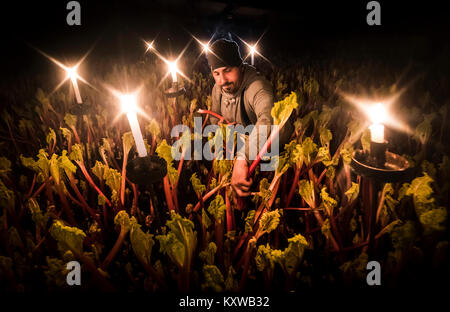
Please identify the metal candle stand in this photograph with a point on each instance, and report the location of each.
(145, 171)
(377, 167)
(175, 90)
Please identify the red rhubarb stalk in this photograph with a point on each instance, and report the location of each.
(91, 182)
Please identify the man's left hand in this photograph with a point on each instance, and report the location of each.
(240, 181)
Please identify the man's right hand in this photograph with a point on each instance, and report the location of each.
(239, 180)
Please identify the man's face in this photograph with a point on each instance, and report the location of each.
(228, 78)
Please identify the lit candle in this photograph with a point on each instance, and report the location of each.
(205, 47)
(377, 133)
(72, 74)
(173, 70)
(377, 114)
(252, 53)
(129, 106)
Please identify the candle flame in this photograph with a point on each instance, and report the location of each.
(173, 66)
(128, 102)
(252, 48)
(377, 113)
(205, 47)
(72, 72)
(149, 46)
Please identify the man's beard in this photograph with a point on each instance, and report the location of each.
(229, 88)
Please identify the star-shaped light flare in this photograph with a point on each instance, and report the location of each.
(378, 111)
(71, 73)
(252, 49)
(172, 65)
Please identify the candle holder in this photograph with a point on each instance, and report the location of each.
(175, 90)
(380, 164)
(146, 170)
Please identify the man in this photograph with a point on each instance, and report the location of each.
(243, 96)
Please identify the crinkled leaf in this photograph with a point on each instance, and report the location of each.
(424, 129)
(180, 243)
(217, 208)
(199, 188)
(434, 220)
(36, 213)
(282, 110)
(142, 243)
(127, 141)
(306, 191)
(172, 247)
(68, 238)
(264, 194)
(66, 133)
(77, 153)
(51, 136)
(54, 169)
(326, 228)
(269, 221)
(421, 191)
(329, 202)
(165, 151)
(231, 284)
(264, 259)
(249, 220)
(208, 254)
(331, 172)
(347, 152)
(98, 170)
(213, 278)
(323, 155)
(65, 163)
(206, 221)
(309, 150)
(113, 180)
(123, 219)
(56, 272)
(353, 192)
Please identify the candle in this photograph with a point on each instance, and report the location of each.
(72, 73)
(129, 106)
(173, 70)
(377, 133)
(252, 51)
(377, 114)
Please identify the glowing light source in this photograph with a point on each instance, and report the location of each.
(252, 53)
(149, 46)
(129, 106)
(173, 70)
(205, 47)
(378, 115)
(73, 75)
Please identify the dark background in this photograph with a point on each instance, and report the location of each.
(411, 31)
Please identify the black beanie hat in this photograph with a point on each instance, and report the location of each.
(224, 53)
